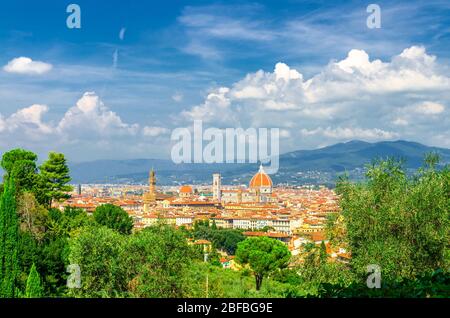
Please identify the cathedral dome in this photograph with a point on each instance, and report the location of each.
(261, 179)
(186, 189)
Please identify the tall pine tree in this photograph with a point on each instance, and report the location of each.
(34, 288)
(9, 237)
(54, 176)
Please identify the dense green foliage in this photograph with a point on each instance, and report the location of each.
(399, 223)
(51, 253)
(317, 270)
(114, 217)
(99, 252)
(20, 164)
(158, 261)
(222, 239)
(9, 240)
(151, 263)
(263, 255)
(47, 183)
(40, 238)
(436, 285)
(206, 280)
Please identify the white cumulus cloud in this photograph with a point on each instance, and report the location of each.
(26, 122)
(88, 126)
(91, 117)
(353, 98)
(30, 117)
(25, 65)
(215, 108)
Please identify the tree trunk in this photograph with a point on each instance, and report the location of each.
(259, 279)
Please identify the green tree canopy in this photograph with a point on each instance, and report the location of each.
(114, 217)
(67, 223)
(53, 179)
(149, 263)
(223, 239)
(99, 252)
(398, 222)
(158, 260)
(21, 164)
(264, 255)
(33, 217)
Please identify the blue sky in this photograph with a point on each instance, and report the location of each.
(178, 61)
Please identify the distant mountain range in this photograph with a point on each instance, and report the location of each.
(318, 166)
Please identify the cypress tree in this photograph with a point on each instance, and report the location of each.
(9, 234)
(323, 253)
(34, 288)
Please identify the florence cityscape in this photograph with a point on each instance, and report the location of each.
(250, 151)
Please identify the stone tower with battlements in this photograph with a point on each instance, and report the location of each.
(150, 196)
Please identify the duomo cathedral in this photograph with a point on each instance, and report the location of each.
(259, 191)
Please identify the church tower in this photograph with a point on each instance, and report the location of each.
(150, 196)
(217, 187)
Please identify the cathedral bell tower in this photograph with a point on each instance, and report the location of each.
(217, 187)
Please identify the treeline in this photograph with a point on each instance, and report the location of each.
(26, 194)
(34, 238)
